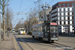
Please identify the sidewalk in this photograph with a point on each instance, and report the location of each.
(9, 44)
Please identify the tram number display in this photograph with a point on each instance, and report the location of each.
(53, 23)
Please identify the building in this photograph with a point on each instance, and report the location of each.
(62, 13)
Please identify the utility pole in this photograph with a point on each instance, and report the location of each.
(44, 10)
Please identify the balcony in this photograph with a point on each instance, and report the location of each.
(54, 14)
(54, 18)
(54, 10)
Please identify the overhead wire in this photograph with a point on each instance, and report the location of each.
(19, 9)
(24, 9)
(28, 7)
(51, 2)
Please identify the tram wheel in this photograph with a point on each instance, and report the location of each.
(32, 36)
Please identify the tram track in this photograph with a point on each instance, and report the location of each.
(31, 43)
(19, 40)
(26, 43)
(54, 45)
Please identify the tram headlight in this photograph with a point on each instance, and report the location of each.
(24, 32)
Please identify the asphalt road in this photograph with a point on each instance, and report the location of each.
(26, 42)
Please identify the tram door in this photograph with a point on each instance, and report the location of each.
(46, 30)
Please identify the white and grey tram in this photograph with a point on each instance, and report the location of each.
(45, 31)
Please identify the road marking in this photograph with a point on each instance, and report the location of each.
(64, 47)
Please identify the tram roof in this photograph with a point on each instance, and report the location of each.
(39, 24)
(43, 24)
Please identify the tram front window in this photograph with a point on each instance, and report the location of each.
(53, 29)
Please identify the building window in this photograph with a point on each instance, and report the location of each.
(68, 22)
(60, 14)
(64, 23)
(68, 4)
(68, 18)
(64, 9)
(68, 9)
(64, 13)
(62, 18)
(72, 22)
(59, 5)
(60, 9)
(72, 13)
(58, 18)
(60, 22)
(64, 5)
(72, 18)
(68, 13)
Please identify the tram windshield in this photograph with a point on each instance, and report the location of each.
(53, 29)
(22, 30)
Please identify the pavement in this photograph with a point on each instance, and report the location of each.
(10, 43)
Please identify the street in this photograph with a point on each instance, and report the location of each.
(26, 42)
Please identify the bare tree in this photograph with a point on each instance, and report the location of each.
(3, 3)
(8, 18)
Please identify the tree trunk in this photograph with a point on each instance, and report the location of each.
(3, 22)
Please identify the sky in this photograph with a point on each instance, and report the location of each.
(23, 7)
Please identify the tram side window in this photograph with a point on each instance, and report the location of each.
(34, 29)
(39, 29)
(45, 28)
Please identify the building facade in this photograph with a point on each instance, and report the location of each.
(63, 14)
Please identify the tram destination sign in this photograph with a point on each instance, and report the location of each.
(53, 23)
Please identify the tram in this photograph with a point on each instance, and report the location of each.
(21, 31)
(45, 31)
